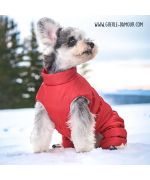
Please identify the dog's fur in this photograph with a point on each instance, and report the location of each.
(64, 48)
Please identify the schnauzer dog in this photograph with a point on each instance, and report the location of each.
(66, 101)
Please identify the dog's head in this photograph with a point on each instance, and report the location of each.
(65, 47)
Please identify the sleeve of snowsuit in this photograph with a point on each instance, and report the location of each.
(113, 131)
(66, 143)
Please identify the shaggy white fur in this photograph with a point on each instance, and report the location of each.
(42, 130)
(82, 128)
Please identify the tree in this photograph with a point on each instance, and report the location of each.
(31, 70)
(10, 88)
(84, 70)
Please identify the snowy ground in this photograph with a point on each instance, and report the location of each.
(15, 127)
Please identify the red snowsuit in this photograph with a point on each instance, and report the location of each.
(59, 90)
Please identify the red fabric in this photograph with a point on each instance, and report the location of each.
(59, 90)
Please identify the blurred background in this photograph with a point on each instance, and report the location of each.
(120, 72)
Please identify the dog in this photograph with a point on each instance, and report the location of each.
(66, 101)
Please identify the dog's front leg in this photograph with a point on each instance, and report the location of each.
(42, 131)
(82, 125)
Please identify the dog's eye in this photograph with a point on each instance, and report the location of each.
(72, 41)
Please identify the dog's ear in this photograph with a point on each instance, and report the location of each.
(47, 29)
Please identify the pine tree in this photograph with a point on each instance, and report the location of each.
(10, 89)
(84, 70)
(31, 73)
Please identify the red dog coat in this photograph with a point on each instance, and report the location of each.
(59, 90)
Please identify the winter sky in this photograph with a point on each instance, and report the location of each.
(123, 61)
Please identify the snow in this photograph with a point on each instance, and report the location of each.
(16, 125)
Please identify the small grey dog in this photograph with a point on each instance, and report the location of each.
(81, 118)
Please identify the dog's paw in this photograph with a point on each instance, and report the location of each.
(56, 146)
(39, 149)
(112, 148)
(121, 146)
(84, 148)
(117, 147)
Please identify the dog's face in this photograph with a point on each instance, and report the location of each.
(68, 45)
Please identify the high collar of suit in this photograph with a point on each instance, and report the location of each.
(59, 78)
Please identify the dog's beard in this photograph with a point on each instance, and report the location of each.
(87, 54)
(84, 52)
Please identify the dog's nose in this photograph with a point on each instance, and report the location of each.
(91, 44)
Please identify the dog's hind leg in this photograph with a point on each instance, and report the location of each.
(42, 131)
(113, 132)
(82, 125)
